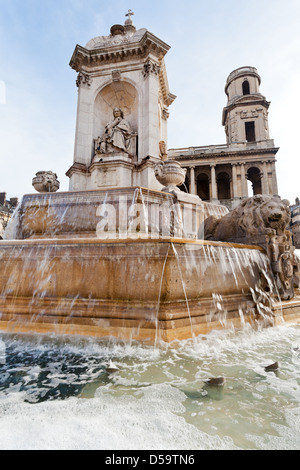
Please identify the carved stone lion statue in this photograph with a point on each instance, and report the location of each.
(255, 216)
(45, 182)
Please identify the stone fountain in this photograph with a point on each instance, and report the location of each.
(124, 252)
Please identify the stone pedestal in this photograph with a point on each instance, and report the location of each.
(108, 169)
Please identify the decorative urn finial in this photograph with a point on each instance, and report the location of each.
(169, 172)
(45, 182)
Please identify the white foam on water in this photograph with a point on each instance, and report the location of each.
(152, 421)
(158, 399)
(283, 437)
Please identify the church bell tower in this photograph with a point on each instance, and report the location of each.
(246, 115)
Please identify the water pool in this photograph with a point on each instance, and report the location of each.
(55, 392)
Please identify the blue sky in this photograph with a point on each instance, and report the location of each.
(208, 40)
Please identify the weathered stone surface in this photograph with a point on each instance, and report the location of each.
(117, 134)
(262, 220)
(46, 182)
(129, 288)
(124, 70)
(112, 213)
(295, 223)
(170, 174)
(254, 218)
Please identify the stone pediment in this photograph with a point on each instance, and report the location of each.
(111, 48)
(245, 100)
(101, 42)
(253, 98)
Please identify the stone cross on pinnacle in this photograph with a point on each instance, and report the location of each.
(129, 14)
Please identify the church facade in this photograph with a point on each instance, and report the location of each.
(221, 173)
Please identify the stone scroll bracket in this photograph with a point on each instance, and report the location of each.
(83, 79)
(151, 67)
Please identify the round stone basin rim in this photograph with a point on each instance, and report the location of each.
(109, 241)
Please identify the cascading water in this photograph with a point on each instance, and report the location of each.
(133, 270)
(73, 285)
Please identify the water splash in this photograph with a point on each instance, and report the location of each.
(13, 228)
(157, 332)
(184, 288)
(158, 400)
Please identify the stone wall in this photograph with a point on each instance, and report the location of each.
(7, 208)
(295, 223)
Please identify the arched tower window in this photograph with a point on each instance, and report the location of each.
(254, 175)
(246, 88)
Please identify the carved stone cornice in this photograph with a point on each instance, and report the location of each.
(83, 57)
(220, 159)
(196, 154)
(77, 168)
(224, 159)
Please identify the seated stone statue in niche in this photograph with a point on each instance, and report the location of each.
(117, 135)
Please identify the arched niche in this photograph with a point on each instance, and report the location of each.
(254, 175)
(118, 94)
(223, 184)
(246, 87)
(203, 186)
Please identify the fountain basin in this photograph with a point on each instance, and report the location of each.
(84, 214)
(135, 288)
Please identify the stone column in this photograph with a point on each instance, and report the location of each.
(150, 131)
(244, 181)
(274, 180)
(83, 149)
(192, 181)
(265, 186)
(214, 192)
(234, 182)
